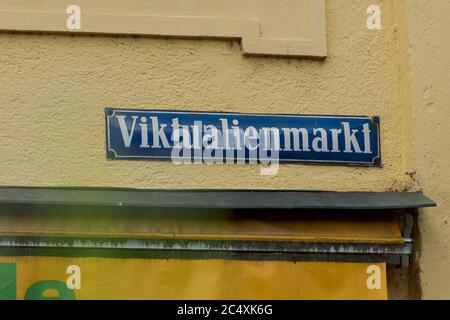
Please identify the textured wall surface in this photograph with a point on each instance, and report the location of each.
(429, 31)
(54, 89)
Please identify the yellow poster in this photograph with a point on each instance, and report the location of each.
(114, 278)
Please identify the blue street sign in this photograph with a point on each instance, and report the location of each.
(196, 137)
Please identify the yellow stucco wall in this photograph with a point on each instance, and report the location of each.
(54, 89)
(429, 51)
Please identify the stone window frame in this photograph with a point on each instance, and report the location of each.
(25, 16)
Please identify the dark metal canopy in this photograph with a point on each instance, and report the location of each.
(214, 199)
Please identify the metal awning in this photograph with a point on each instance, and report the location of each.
(208, 224)
(215, 199)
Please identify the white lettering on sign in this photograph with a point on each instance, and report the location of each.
(235, 138)
(127, 135)
(218, 138)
